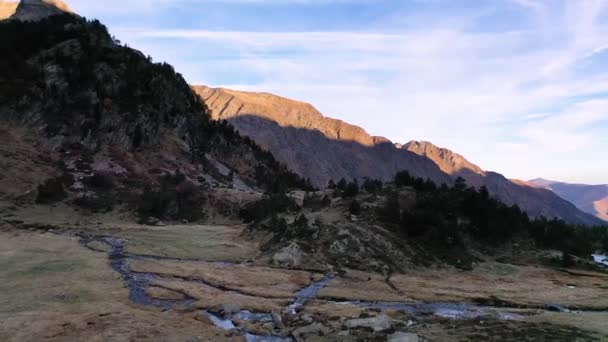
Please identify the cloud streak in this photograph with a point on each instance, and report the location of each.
(522, 96)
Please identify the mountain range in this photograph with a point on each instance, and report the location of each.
(298, 135)
(32, 10)
(322, 148)
(592, 199)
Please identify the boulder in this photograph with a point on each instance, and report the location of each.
(403, 337)
(228, 309)
(277, 320)
(378, 323)
(315, 329)
(152, 221)
(289, 256)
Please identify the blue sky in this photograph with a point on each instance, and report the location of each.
(516, 86)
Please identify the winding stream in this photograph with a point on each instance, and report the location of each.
(138, 283)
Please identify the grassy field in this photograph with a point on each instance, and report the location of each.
(211, 243)
(53, 289)
(522, 285)
(40, 270)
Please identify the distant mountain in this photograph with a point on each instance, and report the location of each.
(592, 199)
(7, 8)
(32, 10)
(322, 148)
(534, 200)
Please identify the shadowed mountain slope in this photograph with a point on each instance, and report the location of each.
(322, 148)
(592, 199)
(310, 144)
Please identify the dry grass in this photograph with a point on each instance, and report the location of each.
(211, 243)
(528, 286)
(255, 281)
(53, 289)
(209, 297)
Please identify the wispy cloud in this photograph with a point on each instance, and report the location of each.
(519, 86)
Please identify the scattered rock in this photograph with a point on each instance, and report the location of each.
(152, 221)
(290, 256)
(278, 321)
(403, 337)
(316, 329)
(338, 247)
(307, 318)
(378, 323)
(228, 309)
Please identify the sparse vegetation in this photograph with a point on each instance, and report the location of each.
(270, 205)
(443, 216)
(174, 198)
(51, 191)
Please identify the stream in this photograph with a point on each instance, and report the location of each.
(138, 282)
(600, 259)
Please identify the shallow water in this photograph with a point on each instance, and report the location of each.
(309, 292)
(139, 282)
(601, 259)
(445, 310)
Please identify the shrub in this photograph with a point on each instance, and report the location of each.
(354, 208)
(270, 204)
(101, 181)
(351, 190)
(51, 191)
(175, 198)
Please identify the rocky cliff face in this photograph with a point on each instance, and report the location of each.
(34, 10)
(323, 148)
(592, 199)
(310, 144)
(449, 162)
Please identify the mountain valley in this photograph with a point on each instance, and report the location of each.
(134, 207)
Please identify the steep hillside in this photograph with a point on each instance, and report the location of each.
(592, 199)
(99, 124)
(310, 144)
(322, 148)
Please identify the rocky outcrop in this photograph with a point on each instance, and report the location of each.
(34, 10)
(592, 199)
(289, 256)
(448, 161)
(310, 144)
(377, 324)
(322, 148)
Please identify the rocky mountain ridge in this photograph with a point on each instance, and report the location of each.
(310, 143)
(322, 148)
(33, 10)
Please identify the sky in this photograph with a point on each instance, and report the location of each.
(515, 86)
